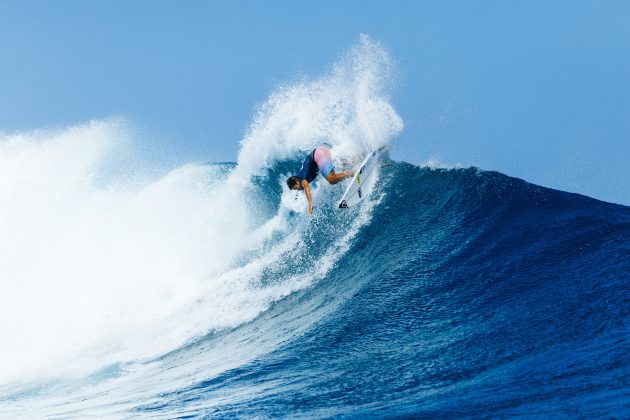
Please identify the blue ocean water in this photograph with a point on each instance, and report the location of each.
(464, 293)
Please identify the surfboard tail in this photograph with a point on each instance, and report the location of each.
(360, 186)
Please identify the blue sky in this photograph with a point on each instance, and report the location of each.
(536, 89)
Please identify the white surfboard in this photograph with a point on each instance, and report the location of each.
(363, 180)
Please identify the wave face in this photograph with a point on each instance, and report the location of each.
(449, 293)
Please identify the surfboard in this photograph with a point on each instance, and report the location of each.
(363, 181)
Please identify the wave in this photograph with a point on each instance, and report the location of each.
(454, 292)
(467, 293)
(102, 264)
(207, 290)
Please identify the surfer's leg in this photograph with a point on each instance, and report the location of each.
(334, 178)
(326, 167)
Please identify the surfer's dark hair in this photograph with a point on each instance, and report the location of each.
(292, 180)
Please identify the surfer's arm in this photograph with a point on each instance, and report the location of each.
(307, 191)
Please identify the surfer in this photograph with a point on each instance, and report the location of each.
(317, 161)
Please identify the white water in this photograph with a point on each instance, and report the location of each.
(100, 265)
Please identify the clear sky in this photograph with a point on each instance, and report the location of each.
(534, 89)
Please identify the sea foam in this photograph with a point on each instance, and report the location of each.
(100, 265)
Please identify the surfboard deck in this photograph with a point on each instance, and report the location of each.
(363, 180)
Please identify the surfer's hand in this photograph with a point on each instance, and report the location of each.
(310, 209)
